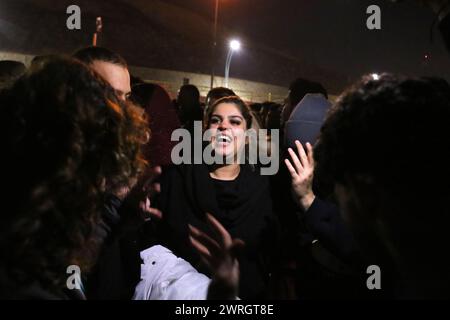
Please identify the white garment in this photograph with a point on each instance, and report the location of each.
(164, 276)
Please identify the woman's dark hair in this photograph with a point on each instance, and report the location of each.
(66, 136)
(385, 131)
(217, 93)
(238, 102)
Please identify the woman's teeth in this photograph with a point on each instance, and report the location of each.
(223, 138)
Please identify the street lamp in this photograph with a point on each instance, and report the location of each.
(213, 55)
(235, 45)
(98, 30)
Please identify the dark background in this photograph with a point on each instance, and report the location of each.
(323, 40)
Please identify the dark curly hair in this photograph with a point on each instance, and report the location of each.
(66, 135)
(390, 132)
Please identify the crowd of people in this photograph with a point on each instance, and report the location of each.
(90, 182)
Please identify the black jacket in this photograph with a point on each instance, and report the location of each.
(244, 208)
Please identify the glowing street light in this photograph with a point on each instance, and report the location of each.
(235, 46)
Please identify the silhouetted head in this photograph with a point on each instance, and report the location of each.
(297, 90)
(385, 149)
(188, 102)
(110, 65)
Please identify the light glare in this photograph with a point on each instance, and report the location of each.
(235, 45)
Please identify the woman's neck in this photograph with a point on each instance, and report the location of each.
(225, 172)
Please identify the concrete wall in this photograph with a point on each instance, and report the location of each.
(25, 58)
(173, 80)
(248, 90)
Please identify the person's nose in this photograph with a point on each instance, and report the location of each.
(224, 125)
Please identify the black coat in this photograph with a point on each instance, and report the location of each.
(244, 208)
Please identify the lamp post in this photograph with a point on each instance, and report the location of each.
(235, 45)
(98, 30)
(213, 55)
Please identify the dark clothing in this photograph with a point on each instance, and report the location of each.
(343, 255)
(324, 221)
(105, 280)
(11, 290)
(319, 251)
(117, 270)
(242, 206)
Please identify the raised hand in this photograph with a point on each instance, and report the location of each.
(221, 259)
(138, 198)
(302, 174)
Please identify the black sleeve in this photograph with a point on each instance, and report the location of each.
(117, 270)
(324, 221)
(272, 239)
(110, 218)
(104, 282)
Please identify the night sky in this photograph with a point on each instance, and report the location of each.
(333, 34)
(322, 40)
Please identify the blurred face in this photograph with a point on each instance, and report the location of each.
(117, 76)
(228, 127)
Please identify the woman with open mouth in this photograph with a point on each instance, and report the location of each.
(235, 193)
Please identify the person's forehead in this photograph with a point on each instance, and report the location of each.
(229, 109)
(117, 76)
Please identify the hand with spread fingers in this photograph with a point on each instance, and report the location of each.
(302, 173)
(136, 207)
(143, 191)
(220, 256)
